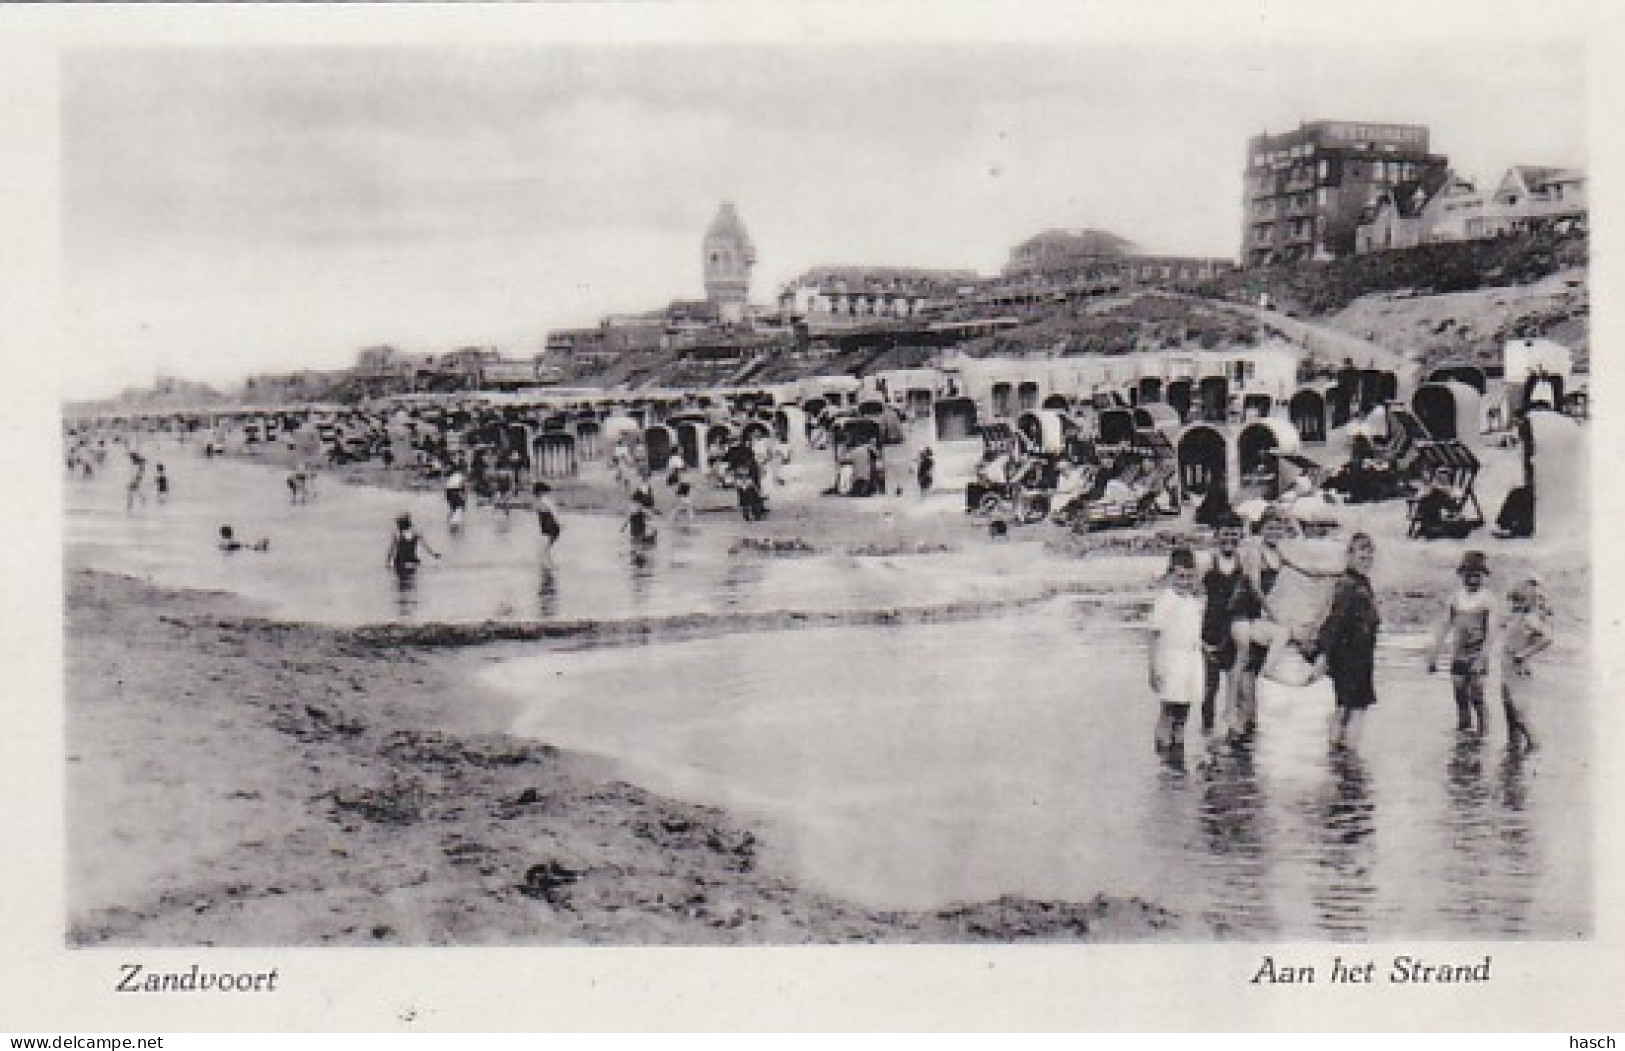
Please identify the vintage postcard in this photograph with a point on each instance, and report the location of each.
(1068, 517)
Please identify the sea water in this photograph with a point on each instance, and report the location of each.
(919, 766)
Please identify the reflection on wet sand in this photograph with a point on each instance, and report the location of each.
(1233, 816)
(1343, 880)
(406, 592)
(547, 593)
(1487, 830)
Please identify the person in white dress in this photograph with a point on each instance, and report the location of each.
(1177, 667)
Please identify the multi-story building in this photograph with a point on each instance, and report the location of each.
(836, 294)
(1304, 191)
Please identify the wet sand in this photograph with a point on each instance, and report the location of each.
(235, 781)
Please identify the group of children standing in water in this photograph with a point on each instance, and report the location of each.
(1214, 626)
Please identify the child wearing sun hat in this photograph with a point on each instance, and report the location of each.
(1466, 627)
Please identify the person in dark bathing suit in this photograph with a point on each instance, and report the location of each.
(1220, 579)
(1348, 644)
(547, 521)
(1253, 628)
(405, 546)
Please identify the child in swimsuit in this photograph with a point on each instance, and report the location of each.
(547, 521)
(1466, 627)
(1525, 636)
(637, 526)
(402, 555)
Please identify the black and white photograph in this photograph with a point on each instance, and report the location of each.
(784, 488)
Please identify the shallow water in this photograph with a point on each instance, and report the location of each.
(915, 766)
(326, 559)
(921, 765)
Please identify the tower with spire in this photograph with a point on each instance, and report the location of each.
(727, 257)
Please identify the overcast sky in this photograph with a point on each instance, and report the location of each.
(228, 211)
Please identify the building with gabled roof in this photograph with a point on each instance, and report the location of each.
(1305, 191)
(1530, 196)
(1396, 216)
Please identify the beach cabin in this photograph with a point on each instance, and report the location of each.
(842, 395)
(1535, 370)
(690, 434)
(1461, 372)
(1450, 411)
(1340, 405)
(1103, 399)
(554, 454)
(1213, 398)
(849, 432)
(1203, 455)
(1256, 406)
(1369, 392)
(1560, 472)
(1027, 395)
(1156, 418)
(1307, 411)
(1179, 398)
(587, 432)
(955, 419)
(1115, 427)
(1256, 445)
(1003, 399)
(1525, 358)
(658, 443)
(1045, 431)
(918, 402)
(1149, 390)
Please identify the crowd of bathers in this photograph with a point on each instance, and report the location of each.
(1216, 629)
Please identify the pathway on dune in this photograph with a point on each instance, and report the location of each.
(1330, 342)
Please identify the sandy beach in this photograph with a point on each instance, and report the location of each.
(234, 781)
(239, 779)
